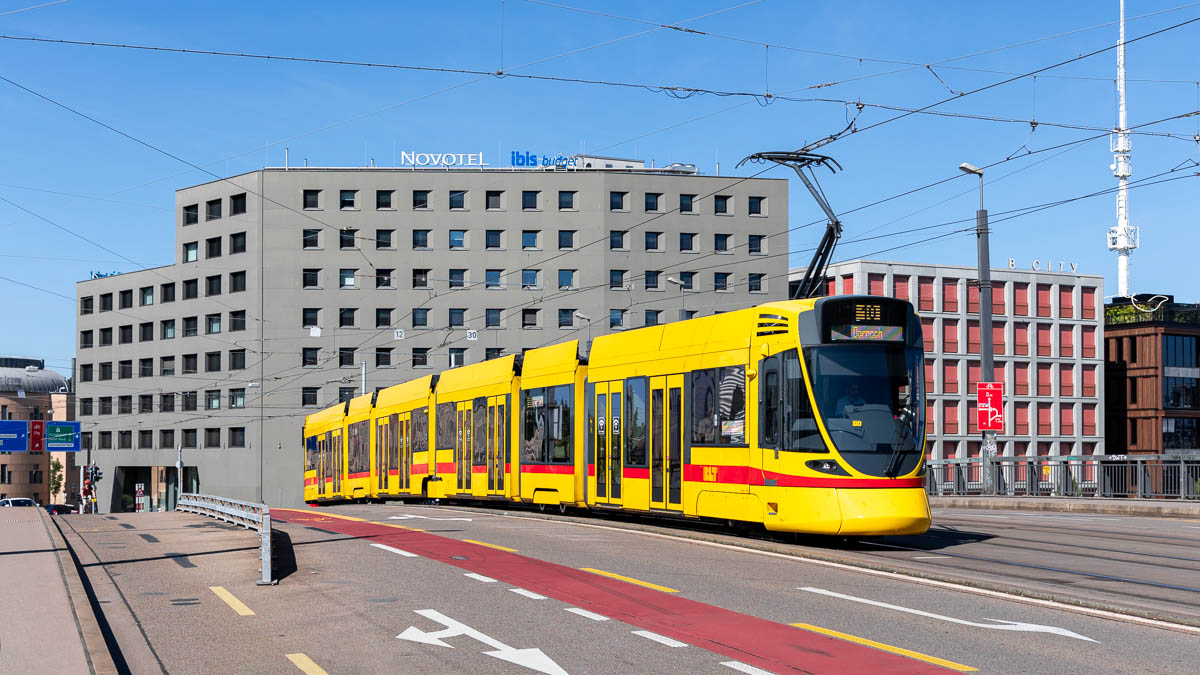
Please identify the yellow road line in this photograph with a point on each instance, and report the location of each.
(631, 580)
(887, 648)
(306, 664)
(237, 605)
(334, 515)
(399, 527)
(484, 543)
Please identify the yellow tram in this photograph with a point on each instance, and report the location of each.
(802, 415)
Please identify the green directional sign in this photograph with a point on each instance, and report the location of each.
(62, 436)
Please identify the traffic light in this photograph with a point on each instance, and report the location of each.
(97, 474)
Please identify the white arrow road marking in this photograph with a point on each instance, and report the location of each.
(1001, 624)
(531, 658)
(410, 517)
(397, 551)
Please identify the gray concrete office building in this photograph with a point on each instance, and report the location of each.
(287, 281)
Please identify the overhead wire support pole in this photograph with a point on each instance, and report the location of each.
(799, 161)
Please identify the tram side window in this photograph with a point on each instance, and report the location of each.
(636, 438)
(546, 433)
(393, 440)
(310, 453)
(479, 442)
(719, 406)
(359, 441)
(800, 431)
(447, 426)
(419, 430)
(768, 408)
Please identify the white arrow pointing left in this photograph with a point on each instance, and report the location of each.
(531, 658)
(1000, 625)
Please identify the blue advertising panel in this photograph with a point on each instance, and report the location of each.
(62, 436)
(14, 436)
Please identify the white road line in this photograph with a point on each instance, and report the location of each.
(480, 577)
(744, 668)
(529, 594)
(662, 639)
(929, 557)
(586, 614)
(397, 551)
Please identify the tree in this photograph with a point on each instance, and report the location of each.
(56, 477)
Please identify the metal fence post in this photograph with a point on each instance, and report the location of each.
(265, 531)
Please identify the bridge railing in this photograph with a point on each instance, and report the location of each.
(1109, 476)
(249, 515)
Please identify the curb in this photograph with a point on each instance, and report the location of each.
(1115, 507)
(100, 661)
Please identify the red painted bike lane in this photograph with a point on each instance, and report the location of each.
(765, 644)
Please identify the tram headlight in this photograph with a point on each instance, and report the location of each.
(828, 466)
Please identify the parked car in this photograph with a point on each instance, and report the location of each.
(17, 501)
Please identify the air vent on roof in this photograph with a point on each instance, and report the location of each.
(772, 324)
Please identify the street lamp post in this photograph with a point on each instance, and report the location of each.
(986, 370)
(682, 298)
(584, 317)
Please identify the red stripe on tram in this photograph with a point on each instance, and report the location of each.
(548, 468)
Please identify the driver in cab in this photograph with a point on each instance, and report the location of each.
(849, 402)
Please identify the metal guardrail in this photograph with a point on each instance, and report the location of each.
(1107, 476)
(245, 514)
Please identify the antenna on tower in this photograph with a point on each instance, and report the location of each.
(1123, 238)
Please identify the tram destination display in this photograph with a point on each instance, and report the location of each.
(864, 321)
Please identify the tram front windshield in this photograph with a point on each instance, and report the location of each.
(871, 400)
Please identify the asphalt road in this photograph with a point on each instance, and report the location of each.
(425, 589)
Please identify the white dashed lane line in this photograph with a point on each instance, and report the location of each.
(529, 594)
(586, 614)
(480, 577)
(397, 551)
(662, 639)
(744, 668)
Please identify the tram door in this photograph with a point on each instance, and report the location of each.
(462, 447)
(609, 446)
(381, 447)
(495, 445)
(339, 465)
(666, 442)
(400, 457)
(322, 462)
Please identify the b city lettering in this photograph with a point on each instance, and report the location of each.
(1037, 265)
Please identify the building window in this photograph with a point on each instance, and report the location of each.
(147, 296)
(212, 285)
(237, 359)
(309, 316)
(212, 209)
(652, 201)
(566, 200)
(756, 282)
(458, 278)
(126, 299)
(566, 318)
(616, 318)
(312, 239)
(166, 438)
(616, 279)
(529, 200)
(653, 317)
(687, 242)
(308, 396)
(687, 278)
(458, 239)
(420, 240)
(146, 332)
(85, 372)
(721, 281)
(346, 317)
(529, 239)
(755, 244)
(651, 279)
(212, 247)
(420, 317)
(190, 364)
(191, 252)
(348, 239)
(308, 356)
(492, 278)
(566, 239)
(346, 356)
(191, 289)
(616, 240)
(189, 438)
(85, 305)
(105, 405)
(346, 277)
(383, 199)
(237, 398)
(85, 407)
(721, 204)
(237, 243)
(191, 326)
(106, 304)
(166, 402)
(383, 317)
(212, 324)
(420, 357)
(458, 356)
(383, 239)
(491, 317)
(458, 199)
(458, 317)
(237, 437)
(212, 399)
(212, 438)
(529, 318)
(420, 199)
(654, 241)
(187, 401)
(85, 339)
(383, 357)
(125, 335)
(106, 337)
(383, 277)
(166, 365)
(685, 203)
(346, 199)
(756, 206)
(125, 369)
(310, 277)
(490, 353)
(616, 201)
(312, 199)
(493, 200)
(529, 279)
(166, 329)
(721, 243)
(191, 214)
(124, 442)
(237, 204)
(493, 240)
(566, 279)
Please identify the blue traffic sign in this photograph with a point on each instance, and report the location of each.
(14, 436)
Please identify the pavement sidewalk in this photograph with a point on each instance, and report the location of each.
(47, 622)
(1150, 508)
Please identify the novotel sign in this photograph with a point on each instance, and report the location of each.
(408, 158)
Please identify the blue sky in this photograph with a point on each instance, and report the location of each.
(234, 115)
